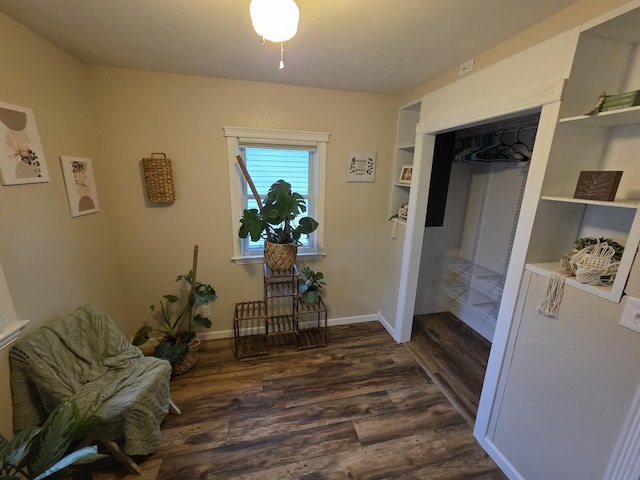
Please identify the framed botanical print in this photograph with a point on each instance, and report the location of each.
(81, 186)
(21, 156)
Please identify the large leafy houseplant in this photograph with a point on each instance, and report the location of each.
(40, 452)
(177, 318)
(275, 219)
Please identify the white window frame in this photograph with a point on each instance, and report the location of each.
(10, 326)
(237, 137)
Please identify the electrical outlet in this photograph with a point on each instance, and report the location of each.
(205, 310)
(467, 66)
(631, 314)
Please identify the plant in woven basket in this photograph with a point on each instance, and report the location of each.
(276, 221)
(177, 318)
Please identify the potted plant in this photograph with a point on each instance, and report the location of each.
(310, 287)
(276, 221)
(176, 321)
(40, 452)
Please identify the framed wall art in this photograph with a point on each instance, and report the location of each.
(21, 156)
(81, 186)
(361, 167)
(405, 175)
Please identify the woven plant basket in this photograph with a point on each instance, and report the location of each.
(280, 256)
(189, 360)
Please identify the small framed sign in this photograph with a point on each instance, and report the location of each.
(598, 185)
(361, 167)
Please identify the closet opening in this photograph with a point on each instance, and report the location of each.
(477, 184)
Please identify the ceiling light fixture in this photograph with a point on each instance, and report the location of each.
(275, 20)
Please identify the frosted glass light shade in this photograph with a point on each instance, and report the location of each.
(275, 20)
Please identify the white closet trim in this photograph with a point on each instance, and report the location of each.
(518, 102)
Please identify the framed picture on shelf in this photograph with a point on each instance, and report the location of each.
(405, 175)
(598, 185)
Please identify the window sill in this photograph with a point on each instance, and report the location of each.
(11, 333)
(260, 258)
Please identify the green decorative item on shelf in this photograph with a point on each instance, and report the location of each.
(587, 241)
(276, 221)
(310, 287)
(176, 322)
(40, 452)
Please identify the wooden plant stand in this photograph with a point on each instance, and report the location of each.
(280, 319)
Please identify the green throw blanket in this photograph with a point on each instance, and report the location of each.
(85, 357)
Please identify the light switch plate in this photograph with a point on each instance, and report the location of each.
(631, 314)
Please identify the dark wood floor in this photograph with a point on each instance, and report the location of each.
(454, 356)
(360, 408)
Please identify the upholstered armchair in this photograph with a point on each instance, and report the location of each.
(85, 357)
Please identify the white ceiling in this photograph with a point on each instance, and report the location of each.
(379, 46)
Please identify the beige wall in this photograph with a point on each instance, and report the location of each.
(142, 112)
(52, 262)
(576, 14)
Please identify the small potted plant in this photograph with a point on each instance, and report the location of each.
(310, 286)
(176, 320)
(276, 221)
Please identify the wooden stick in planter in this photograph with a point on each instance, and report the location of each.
(247, 177)
(192, 289)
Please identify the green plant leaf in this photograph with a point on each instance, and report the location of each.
(204, 294)
(202, 321)
(85, 426)
(307, 225)
(142, 335)
(251, 224)
(79, 456)
(53, 439)
(14, 451)
(171, 298)
(172, 353)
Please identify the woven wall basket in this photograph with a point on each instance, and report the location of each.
(280, 256)
(159, 178)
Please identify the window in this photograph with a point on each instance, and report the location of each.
(297, 157)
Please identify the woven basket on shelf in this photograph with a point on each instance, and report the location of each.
(280, 256)
(593, 265)
(189, 360)
(159, 178)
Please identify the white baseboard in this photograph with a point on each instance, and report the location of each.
(388, 327)
(507, 468)
(373, 317)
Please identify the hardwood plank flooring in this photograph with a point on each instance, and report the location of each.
(454, 356)
(360, 408)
